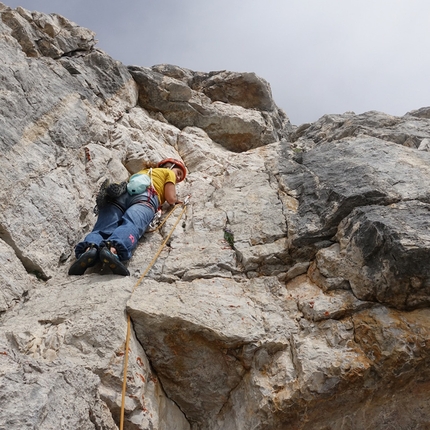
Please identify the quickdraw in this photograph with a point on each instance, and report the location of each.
(157, 223)
(156, 220)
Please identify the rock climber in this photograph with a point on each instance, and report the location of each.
(123, 220)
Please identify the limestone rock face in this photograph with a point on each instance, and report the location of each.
(41, 35)
(409, 130)
(236, 110)
(291, 292)
(374, 239)
(333, 179)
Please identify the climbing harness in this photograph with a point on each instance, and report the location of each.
(148, 268)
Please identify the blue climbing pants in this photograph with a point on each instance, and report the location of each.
(122, 223)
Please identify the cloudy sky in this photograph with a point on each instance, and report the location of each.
(319, 56)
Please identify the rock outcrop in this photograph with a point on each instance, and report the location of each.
(235, 110)
(314, 314)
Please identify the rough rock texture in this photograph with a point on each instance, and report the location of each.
(312, 313)
(236, 110)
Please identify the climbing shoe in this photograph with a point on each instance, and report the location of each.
(85, 260)
(112, 261)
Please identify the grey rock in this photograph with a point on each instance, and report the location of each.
(206, 329)
(47, 391)
(41, 35)
(381, 255)
(335, 178)
(242, 89)
(15, 280)
(409, 130)
(387, 250)
(71, 334)
(49, 115)
(250, 121)
(423, 112)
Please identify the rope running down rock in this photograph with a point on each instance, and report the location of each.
(127, 340)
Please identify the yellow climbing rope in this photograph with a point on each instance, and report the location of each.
(127, 340)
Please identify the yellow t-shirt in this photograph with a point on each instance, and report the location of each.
(160, 177)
